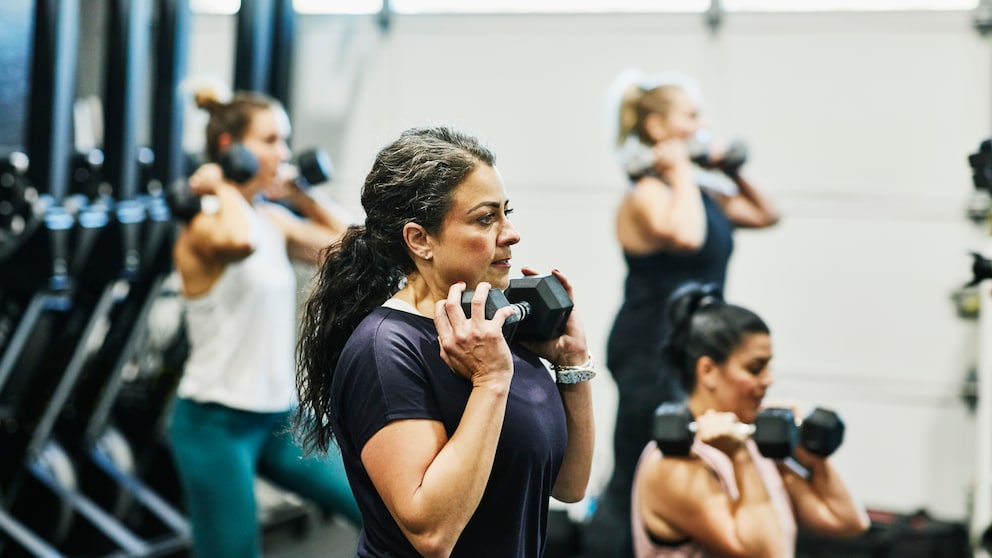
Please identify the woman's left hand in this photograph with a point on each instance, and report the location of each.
(570, 348)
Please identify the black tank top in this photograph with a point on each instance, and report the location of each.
(640, 324)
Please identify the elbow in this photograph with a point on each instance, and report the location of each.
(433, 545)
(669, 238)
(858, 525)
(234, 250)
(686, 242)
(846, 527)
(431, 538)
(570, 495)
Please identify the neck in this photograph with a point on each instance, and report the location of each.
(700, 402)
(418, 293)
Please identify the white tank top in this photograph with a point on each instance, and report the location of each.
(242, 331)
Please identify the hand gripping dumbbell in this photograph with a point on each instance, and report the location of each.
(774, 431)
(541, 307)
(733, 158)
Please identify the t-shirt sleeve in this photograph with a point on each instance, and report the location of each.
(388, 380)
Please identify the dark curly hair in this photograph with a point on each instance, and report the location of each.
(412, 180)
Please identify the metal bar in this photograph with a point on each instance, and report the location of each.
(151, 500)
(53, 87)
(24, 537)
(253, 47)
(106, 523)
(127, 48)
(283, 41)
(167, 120)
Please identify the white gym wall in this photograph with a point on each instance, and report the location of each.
(859, 125)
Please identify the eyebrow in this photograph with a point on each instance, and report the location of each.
(492, 204)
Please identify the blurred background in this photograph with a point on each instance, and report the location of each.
(860, 117)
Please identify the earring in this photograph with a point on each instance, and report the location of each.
(711, 384)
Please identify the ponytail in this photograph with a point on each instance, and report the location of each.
(703, 324)
(353, 279)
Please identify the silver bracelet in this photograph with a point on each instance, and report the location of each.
(575, 374)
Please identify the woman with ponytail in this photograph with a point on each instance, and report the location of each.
(725, 498)
(674, 224)
(235, 397)
(453, 439)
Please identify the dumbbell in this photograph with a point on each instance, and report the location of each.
(541, 307)
(239, 165)
(774, 431)
(19, 207)
(734, 156)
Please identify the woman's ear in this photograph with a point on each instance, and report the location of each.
(706, 373)
(418, 241)
(224, 140)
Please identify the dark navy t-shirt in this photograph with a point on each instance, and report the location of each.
(391, 369)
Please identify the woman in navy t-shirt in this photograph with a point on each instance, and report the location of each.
(453, 439)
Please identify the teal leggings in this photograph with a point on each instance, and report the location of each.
(218, 451)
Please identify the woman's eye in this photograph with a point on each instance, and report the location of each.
(487, 219)
(508, 211)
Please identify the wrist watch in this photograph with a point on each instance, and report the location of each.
(575, 374)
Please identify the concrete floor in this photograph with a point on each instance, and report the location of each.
(326, 538)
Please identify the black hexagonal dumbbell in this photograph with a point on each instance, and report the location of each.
(239, 165)
(541, 307)
(674, 429)
(821, 432)
(775, 431)
(313, 166)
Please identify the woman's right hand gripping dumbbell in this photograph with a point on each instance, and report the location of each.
(723, 431)
(474, 346)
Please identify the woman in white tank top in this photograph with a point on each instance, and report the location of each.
(237, 393)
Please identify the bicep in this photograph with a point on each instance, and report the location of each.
(693, 501)
(397, 458)
(810, 509)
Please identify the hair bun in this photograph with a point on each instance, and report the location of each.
(690, 298)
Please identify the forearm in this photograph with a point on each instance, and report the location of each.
(827, 483)
(758, 525)
(573, 477)
(761, 202)
(453, 485)
(317, 210)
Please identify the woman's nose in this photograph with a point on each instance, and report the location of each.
(509, 233)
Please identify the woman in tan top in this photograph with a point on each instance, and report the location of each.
(724, 498)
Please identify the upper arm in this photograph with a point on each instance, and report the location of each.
(397, 458)
(212, 240)
(645, 220)
(687, 496)
(812, 511)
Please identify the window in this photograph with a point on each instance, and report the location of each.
(846, 5)
(588, 6)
